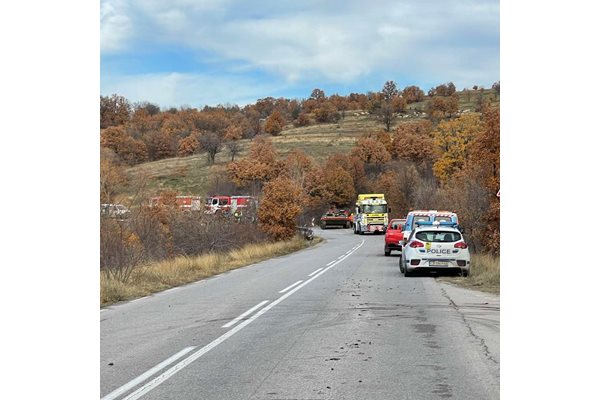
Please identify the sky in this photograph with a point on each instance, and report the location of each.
(209, 52)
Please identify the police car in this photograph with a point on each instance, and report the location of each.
(435, 245)
(416, 216)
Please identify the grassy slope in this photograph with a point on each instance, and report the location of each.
(191, 175)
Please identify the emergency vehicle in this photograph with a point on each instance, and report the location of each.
(228, 204)
(193, 203)
(371, 214)
(426, 215)
(435, 245)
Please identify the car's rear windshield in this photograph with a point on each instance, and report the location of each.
(443, 218)
(438, 236)
(396, 225)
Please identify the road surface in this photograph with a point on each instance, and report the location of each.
(336, 321)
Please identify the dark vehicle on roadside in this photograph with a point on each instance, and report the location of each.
(336, 218)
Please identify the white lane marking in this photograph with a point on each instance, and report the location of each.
(112, 395)
(330, 263)
(194, 356)
(250, 311)
(314, 272)
(289, 287)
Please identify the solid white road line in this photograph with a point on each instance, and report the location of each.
(250, 311)
(314, 272)
(147, 374)
(194, 356)
(330, 263)
(289, 287)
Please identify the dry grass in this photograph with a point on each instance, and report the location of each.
(485, 274)
(155, 277)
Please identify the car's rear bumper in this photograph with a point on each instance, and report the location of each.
(393, 246)
(461, 264)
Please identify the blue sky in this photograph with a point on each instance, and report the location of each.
(209, 52)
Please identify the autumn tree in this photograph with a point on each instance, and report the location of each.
(441, 107)
(114, 110)
(413, 94)
(274, 123)
(161, 144)
(302, 120)
(233, 132)
(297, 165)
(188, 146)
(260, 166)
(281, 204)
(129, 150)
(452, 138)
(317, 94)
(339, 186)
(371, 151)
(353, 165)
(210, 143)
(413, 147)
(112, 176)
(133, 151)
(388, 182)
(326, 113)
(113, 138)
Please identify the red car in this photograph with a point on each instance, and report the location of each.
(393, 236)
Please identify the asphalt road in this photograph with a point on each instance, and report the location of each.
(337, 321)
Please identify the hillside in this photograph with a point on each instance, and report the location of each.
(191, 175)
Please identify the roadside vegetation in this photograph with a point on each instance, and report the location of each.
(157, 276)
(485, 274)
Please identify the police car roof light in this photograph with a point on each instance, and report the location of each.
(436, 223)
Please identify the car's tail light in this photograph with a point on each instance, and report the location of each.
(461, 245)
(414, 244)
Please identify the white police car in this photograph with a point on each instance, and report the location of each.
(435, 246)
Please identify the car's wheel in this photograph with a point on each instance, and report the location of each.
(465, 273)
(386, 251)
(401, 264)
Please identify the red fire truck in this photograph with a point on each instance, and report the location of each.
(193, 203)
(227, 204)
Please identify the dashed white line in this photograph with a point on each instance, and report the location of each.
(112, 395)
(291, 286)
(194, 356)
(250, 311)
(314, 272)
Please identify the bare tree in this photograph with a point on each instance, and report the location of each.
(211, 144)
(233, 148)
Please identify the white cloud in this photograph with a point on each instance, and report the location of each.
(116, 27)
(335, 41)
(174, 89)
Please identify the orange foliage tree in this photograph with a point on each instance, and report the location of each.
(388, 183)
(260, 166)
(114, 110)
(453, 139)
(297, 166)
(274, 123)
(371, 151)
(281, 204)
(188, 146)
(339, 186)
